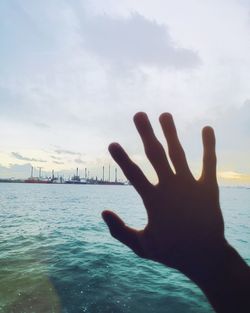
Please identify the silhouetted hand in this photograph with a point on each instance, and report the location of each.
(185, 228)
(185, 224)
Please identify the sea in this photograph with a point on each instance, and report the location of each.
(56, 253)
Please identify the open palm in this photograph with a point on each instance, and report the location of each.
(185, 225)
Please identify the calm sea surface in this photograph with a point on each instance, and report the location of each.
(56, 254)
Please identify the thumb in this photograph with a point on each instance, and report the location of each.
(121, 232)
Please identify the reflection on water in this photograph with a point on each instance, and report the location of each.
(25, 288)
(56, 254)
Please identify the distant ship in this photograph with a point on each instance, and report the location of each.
(37, 180)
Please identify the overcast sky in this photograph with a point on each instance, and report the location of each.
(73, 73)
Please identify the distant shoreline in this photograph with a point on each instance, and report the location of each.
(100, 183)
(103, 183)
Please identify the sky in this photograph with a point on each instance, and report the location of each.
(73, 74)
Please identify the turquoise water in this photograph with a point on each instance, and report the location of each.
(56, 254)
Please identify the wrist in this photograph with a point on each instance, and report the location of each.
(224, 277)
(207, 264)
(223, 266)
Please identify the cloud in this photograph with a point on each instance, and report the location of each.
(135, 41)
(47, 86)
(234, 176)
(58, 162)
(234, 124)
(232, 131)
(55, 157)
(79, 161)
(15, 170)
(41, 125)
(23, 158)
(21, 171)
(69, 152)
(73, 78)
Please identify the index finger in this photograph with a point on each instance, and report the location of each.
(132, 171)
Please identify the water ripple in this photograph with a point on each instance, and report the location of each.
(57, 255)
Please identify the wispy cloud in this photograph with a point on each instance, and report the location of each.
(231, 175)
(55, 157)
(58, 162)
(41, 125)
(69, 152)
(23, 158)
(79, 161)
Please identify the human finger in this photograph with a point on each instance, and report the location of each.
(209, 155)
(176, 152)
(120, 231)
(133, 173)
(153, 148)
